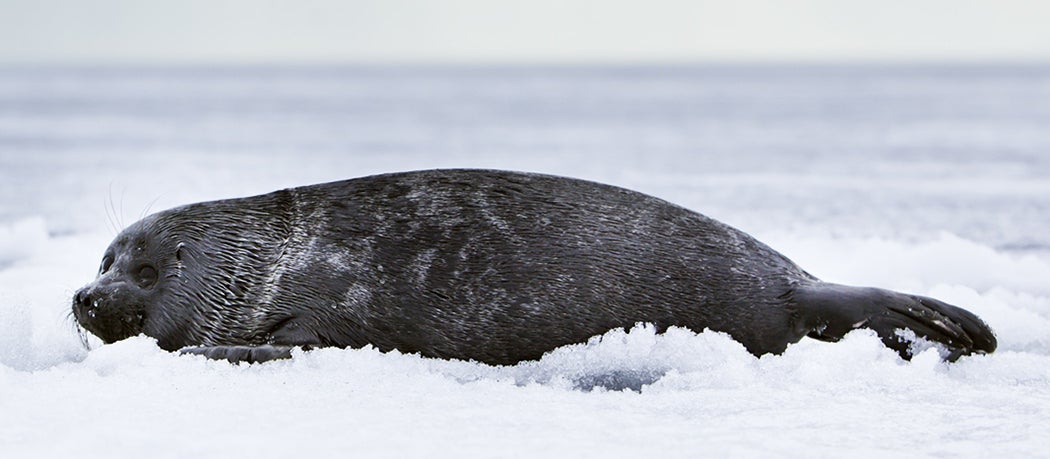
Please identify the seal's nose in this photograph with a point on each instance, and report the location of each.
(82, 303)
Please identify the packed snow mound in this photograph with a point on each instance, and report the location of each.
(689, 390)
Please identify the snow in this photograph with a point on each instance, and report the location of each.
(940, 190)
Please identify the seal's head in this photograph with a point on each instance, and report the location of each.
(136, 269)
(193, 275)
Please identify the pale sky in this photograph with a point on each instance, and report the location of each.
(533, 31)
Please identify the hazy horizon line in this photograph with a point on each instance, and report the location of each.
(517, 63)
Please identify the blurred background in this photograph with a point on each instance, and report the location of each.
(898, 119)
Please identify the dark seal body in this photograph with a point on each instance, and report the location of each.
(492, 266)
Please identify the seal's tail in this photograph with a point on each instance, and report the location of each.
(829, 311)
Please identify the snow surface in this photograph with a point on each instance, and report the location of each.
(931, 181)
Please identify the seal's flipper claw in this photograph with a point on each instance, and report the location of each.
(236, 354)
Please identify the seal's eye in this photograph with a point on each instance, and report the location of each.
(107, 262)
(145, 276)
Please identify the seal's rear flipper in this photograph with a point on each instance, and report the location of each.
(829, 311)
(235, 354)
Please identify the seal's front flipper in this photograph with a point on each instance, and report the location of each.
(829, 311)
(235, 354)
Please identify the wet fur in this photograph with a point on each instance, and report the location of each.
(493, 266)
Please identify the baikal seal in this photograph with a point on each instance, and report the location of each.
(492, 266)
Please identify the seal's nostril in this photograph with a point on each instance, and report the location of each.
(82, 299)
